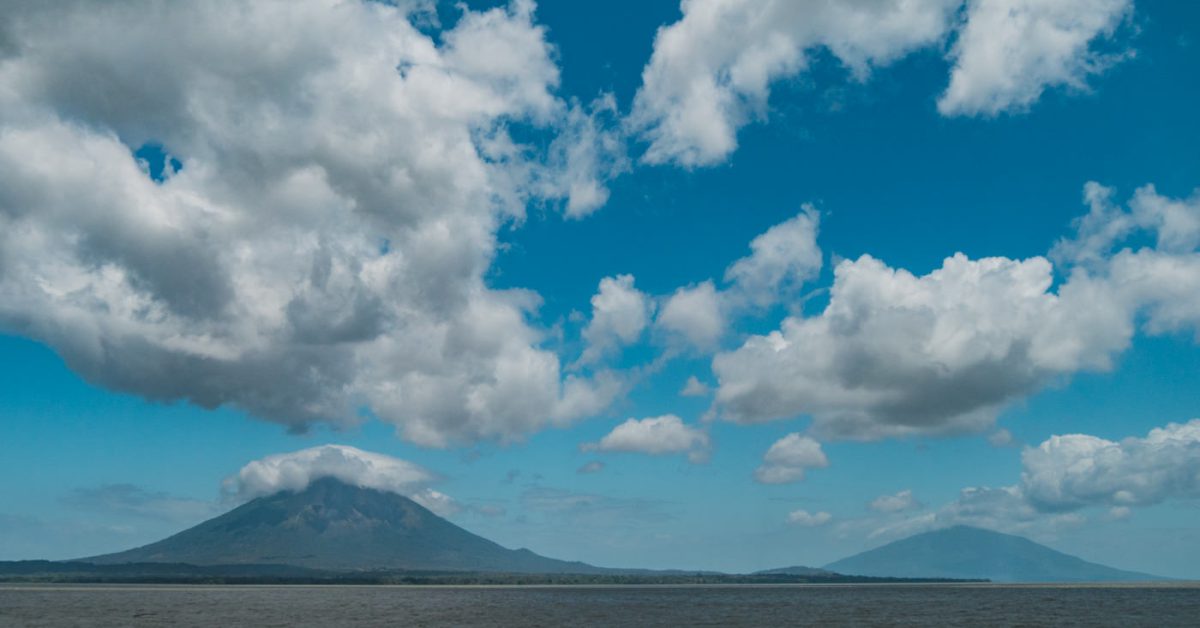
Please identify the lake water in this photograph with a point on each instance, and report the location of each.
(911, 605)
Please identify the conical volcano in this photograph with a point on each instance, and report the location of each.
(967, 552)
(333, 525)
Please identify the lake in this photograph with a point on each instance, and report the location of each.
(720, 605)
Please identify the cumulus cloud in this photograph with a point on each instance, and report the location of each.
(895, 354)
(666, 434)
(1075, 470)
(1066, 475)
(619, 314)
(1159, 282)
(781, 260)
(1009, 51)
(694, 314)
(323, 246)
(710, 73)
(904, 500)
(788, 458)
(294, 471)
(1174, 223)
(807, 519)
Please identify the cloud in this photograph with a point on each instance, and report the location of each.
(619, 314)
(694, 388)
(130, 499)
(1076, 470)
(1066, 475)
(710, 72)
(1009, 51)
(588, 151)
(296, 470)
(694, 314)
(1175, 224)
(592, 466)
(782, 259)
(809, 520)
(322, 249)
(1160, 283)
(899, 502)
(1000, 438)
(896, 354)
(788, 458)
(666, 434)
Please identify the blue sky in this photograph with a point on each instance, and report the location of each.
(162, 329)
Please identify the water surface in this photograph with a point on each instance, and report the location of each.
(719, 605)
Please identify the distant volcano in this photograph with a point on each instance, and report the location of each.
(967, 552)
(332, 525)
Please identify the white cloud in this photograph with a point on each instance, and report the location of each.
(694, 388)
(1160, 282)
(694, 314)
(1066, 475)
(904, 500)
(588, 151)
(807, 519)
(710, 72)
(667, 434)
(1076, 470)
(782, 259)
(895, 354)
(788, 458)
(619, 314)
(295, 470)
(1009, 51)
(323, 248)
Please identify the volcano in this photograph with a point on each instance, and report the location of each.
(969, 552)
(332, 525)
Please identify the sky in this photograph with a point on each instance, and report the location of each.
(723, 285)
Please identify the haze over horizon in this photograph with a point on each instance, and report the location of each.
(722, 285)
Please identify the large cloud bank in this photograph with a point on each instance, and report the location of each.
(323, 246)
(711, 72)
(897, 354)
